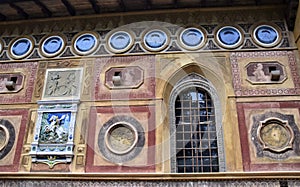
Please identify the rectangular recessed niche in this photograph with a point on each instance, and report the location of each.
(117, 78)
(14, 79)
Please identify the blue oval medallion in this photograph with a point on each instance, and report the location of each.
(120, 40)
(53, 45)
(155, 39)
(21, 47)
(85, 42)
(266, 34)
(1, 46)
(192, 37)
(229, 36)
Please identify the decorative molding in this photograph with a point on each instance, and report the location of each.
(171, 44)
(88, 79)
(40, 81)
(134, 183)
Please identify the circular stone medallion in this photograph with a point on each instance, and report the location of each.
(266, 36)
(275, 136)
(52, 46)
(120, 42)
(229, 37)
(4, 137)
(21, 48)
(155, 40)
(121, 138)
(85, 43)
(192, 38)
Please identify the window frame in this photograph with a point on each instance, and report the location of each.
(194, 80)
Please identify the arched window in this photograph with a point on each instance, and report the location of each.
(196, 130)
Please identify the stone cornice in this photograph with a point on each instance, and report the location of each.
(110, 21)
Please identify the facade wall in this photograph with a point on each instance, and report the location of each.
(107, 87)
(297, 29)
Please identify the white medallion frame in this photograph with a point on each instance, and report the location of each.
(57, 53)
(196, 47)
(6, 137)
(127, 47)
(284, 124)
(255, 28)
(27, 53)
(95, 36)
(1, 46)
(152, 30)
(232, 46)
(129, 127)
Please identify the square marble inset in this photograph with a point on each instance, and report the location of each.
(62, 83)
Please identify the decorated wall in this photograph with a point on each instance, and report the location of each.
(99, 94)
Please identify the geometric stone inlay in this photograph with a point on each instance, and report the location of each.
(7, 137)
(275, 135)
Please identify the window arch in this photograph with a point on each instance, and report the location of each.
(195, 130)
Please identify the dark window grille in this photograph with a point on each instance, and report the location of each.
(196, 137)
